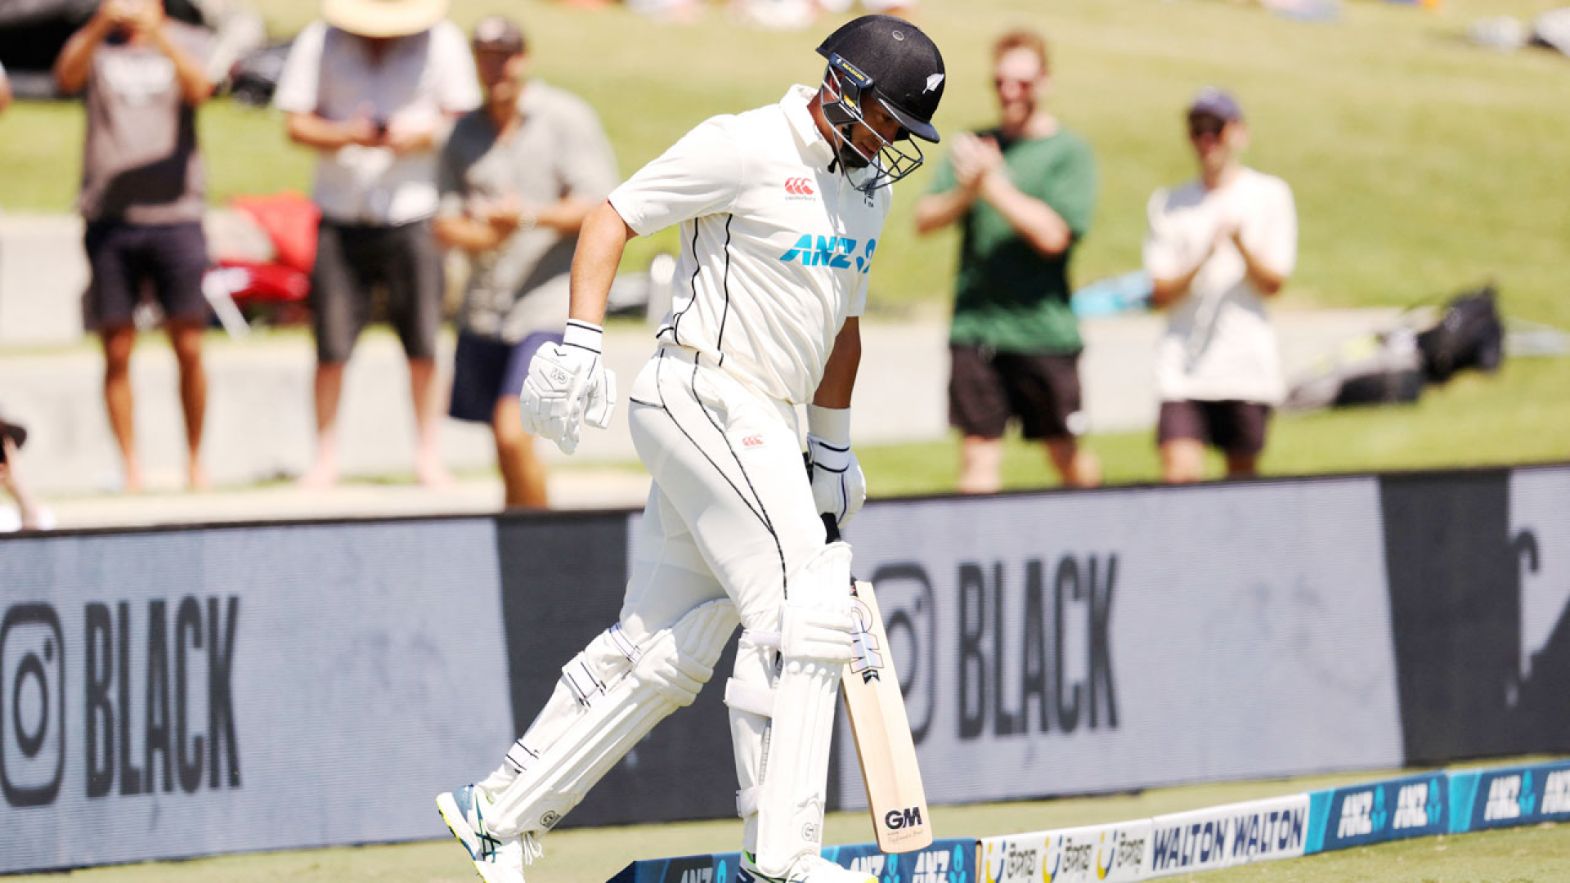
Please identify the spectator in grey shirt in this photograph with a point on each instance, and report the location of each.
(517, 177)
(142, 197)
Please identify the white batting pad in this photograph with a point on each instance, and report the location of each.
(609, 698)
(815, 643)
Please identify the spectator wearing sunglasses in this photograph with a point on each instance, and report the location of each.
(1217, 247)
(1022, 193)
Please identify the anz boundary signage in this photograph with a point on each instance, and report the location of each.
(945, 861)
(1379, 811)
(1513, 796)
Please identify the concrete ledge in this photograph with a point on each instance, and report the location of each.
(43, 273)
(259, 423)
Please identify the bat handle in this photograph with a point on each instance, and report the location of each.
(829, 524)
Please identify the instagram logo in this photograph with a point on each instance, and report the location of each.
(32, 705)
(909, 609)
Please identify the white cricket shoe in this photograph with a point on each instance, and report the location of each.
(496, 859)
(807, 869)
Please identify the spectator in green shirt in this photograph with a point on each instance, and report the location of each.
(1023, 193)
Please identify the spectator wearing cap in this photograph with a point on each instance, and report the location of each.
(373, 88)
(1023, 193)
(1217, 247)
(142, 197)
(517, 178)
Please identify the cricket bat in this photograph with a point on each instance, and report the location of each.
(876, 708)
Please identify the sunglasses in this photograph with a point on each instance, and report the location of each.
(1199, 127)
(1000, 82)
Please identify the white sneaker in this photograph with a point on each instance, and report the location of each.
(807, 869)
(496, 859)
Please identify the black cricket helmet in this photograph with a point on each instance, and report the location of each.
(890, 61)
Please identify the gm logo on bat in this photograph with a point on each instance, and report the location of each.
(909, 817)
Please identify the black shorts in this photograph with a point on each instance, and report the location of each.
(986, 388)
(1231, 426)
(351, 260)
(126, 259)
(485, 371)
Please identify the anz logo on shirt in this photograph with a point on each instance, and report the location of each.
(835, 252)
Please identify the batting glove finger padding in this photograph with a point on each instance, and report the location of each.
(838, 485)
(567, 384)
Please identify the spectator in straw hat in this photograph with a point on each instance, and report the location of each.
(374, 88)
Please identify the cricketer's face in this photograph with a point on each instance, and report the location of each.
(880, 124)
(1017, 80)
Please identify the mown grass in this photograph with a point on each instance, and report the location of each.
(1517, 416)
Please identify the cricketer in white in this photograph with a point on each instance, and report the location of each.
(780, 209)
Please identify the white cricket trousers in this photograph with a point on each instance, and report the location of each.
(731, 512)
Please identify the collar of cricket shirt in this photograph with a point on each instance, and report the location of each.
(814, 147)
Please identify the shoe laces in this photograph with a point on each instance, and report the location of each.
(531, 847)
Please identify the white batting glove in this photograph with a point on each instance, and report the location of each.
(568, 384)
(838, 485)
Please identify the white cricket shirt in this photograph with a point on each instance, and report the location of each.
(775, 248)
(1218, 343)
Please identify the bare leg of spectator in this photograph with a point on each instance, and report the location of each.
(522, 472)
(186, 338)
(329, 387)
(981, 465)
(1182, 460)
(118, 343)
(1077, 466)
(428, 468)
(1242, 465)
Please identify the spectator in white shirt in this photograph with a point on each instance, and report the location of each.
(374, 89)
(1217, 247)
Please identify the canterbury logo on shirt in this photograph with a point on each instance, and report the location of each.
(799, 187)
(836, 252)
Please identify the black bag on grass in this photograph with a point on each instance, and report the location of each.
(1468, 335)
